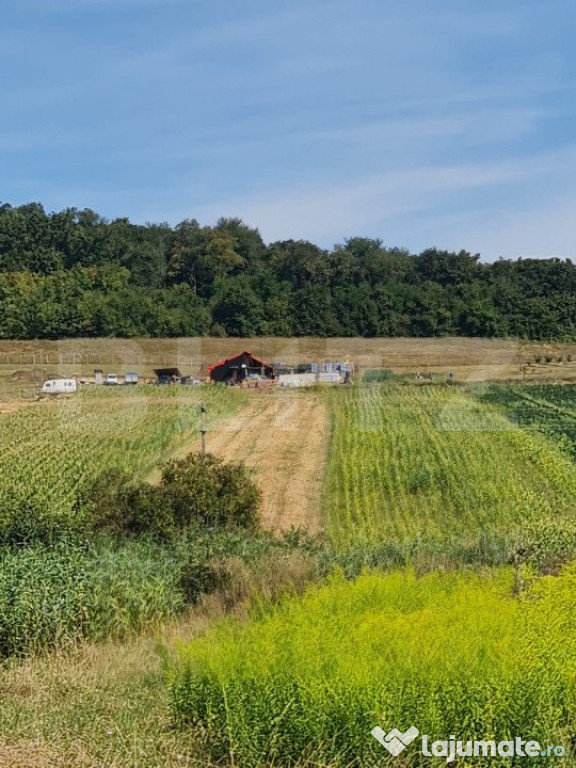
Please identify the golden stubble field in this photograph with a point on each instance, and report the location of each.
(25, 364)
(284, 438)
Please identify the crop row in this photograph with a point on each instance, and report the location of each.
(549, 409)
(409, 465)
(51, 451)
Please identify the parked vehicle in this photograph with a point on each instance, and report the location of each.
(59, 386)
(167, 375)
(190, 381)
(111, 379)
(131, 377)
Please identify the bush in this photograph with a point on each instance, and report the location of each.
(204, 489)
(377, 375)
(218, 331)
(196, 490)
(201, 577)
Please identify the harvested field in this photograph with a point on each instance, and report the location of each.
(284, 437)
(25, 364)
(374, 352)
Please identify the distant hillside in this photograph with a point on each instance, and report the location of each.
(74, 274)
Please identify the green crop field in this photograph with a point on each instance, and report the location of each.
(51, 450)
(546, 409)
(458, 503)
(410, 465)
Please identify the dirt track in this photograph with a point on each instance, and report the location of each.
(284, 436)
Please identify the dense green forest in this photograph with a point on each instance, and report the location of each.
(74, 273)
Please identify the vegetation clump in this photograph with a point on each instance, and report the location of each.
(453, 653)
(196, 490)
(377, 375)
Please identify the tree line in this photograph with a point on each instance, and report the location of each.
(74, 273)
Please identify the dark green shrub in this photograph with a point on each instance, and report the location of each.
(378, 375)
(207, 490)
(218, 331)
(201, 577)
(30, 520)
(196, 490)
(106, 501)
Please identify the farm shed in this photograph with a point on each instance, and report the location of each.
(240, 366)
(167, 375)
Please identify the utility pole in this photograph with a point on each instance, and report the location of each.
(203, 429)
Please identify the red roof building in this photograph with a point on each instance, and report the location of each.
(237, 368)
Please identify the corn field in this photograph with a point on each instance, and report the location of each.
(51, 450)
(57, 595)
(56, 587)
(413, 465)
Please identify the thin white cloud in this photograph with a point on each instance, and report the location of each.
(478, 125)
(384, 202)
(63, 6)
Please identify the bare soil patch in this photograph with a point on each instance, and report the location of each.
(284, 437)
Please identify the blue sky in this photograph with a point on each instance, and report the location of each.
(422, 122)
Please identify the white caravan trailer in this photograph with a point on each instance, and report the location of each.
(59, 386)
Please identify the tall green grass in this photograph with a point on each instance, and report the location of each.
(451, 653)
(52, 596)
